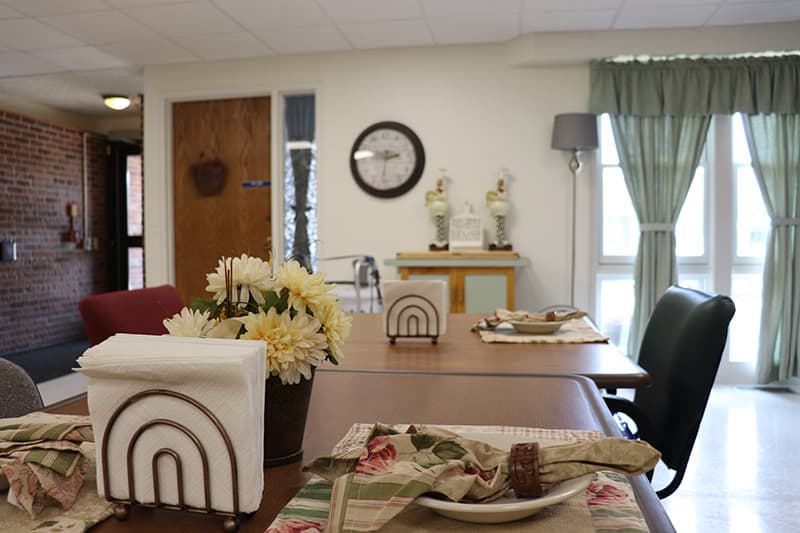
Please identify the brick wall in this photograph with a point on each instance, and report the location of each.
(41, 166)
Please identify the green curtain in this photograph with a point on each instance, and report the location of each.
(774, 141)
(696, 86)
(658, 156)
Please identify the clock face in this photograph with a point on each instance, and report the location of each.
(387, 159)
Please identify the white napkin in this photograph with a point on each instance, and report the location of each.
(411, 307)
(226, 376)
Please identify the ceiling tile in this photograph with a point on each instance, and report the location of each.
(134, 3)
(100, 27)
(29, 34)
(756, 13)
(22, 64)
(373, 10)
(566, 5)
(455, 8)
(38, 8)
(149, 52)
(306, 39)
(8, 13)
(663, 17)
(225, 46)
(181, 20)
(665, 3)
(388, 34)
(82, 58)
(533, 21)
(474, 28)
(262, 15)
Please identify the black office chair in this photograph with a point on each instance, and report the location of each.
(681, 349)
(18, 393)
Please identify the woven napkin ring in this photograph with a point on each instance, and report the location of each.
(524, 465)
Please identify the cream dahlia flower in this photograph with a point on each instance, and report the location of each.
(294, 345)
(251, 275)
(335, 323)
(189, 323)
(304, 289)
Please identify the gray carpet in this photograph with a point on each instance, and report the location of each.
(44, 364)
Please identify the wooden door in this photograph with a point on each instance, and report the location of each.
(235, 219)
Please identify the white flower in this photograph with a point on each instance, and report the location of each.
(294, 345)
(189, 323)
(335, 323)
(304, 289)
(251, 275)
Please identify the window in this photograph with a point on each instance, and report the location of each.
(619, 239)
(300, 178)
(720, 235)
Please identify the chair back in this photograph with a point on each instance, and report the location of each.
(19, 393)
(134, 311)
(681, 349)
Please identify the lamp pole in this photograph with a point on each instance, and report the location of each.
(575, 167)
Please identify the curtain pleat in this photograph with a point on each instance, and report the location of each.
(774, 141)
(658, 156)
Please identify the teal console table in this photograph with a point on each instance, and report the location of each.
(478, 282)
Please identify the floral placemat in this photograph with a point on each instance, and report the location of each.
(609, 503)
(89, 508)
(576, 331)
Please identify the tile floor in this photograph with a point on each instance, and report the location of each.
(742, 477)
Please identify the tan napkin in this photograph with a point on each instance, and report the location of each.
(40, 456)
(394, 468)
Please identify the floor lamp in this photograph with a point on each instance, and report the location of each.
(574, 132)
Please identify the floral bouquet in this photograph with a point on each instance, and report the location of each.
(285, 306)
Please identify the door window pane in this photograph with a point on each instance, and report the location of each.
(620, 225)
(752, 221)
(135, 267)
(133, 184)
(745, 326)
(616, 308)
(690, 240)
(608, 150)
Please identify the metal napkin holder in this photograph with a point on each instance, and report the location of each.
(411, 310)
(123, 505)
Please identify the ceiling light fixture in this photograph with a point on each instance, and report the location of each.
(116, 102)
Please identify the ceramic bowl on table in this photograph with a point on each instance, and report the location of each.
(537, 327)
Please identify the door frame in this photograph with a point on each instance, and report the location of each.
(159, 228)
(117, 206)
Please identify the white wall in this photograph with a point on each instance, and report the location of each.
(474, 111)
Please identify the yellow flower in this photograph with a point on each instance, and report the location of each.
(189, 323)
(304, 289)
(335, 323)
(251, 275)
(294, 345)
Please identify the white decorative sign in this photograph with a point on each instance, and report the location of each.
(466, 231)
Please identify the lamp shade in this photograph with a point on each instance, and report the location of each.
(574, 131)
(116, 101)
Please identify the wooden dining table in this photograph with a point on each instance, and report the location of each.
(340, 399)
(460, 350)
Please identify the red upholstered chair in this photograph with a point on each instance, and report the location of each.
(134, 311)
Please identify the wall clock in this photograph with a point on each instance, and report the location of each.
(387, 159)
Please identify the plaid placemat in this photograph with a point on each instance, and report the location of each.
(576, 331)
(608, 504)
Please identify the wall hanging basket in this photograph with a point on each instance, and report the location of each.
(209, 177)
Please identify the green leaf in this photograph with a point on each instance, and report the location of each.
(423, 440)
(205, 305)
(448, 450)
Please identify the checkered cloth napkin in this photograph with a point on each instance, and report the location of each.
(374, 483)
(41, 459)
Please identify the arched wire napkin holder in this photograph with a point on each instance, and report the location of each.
(123, 505)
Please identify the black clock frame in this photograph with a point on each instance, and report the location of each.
(416, 172)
